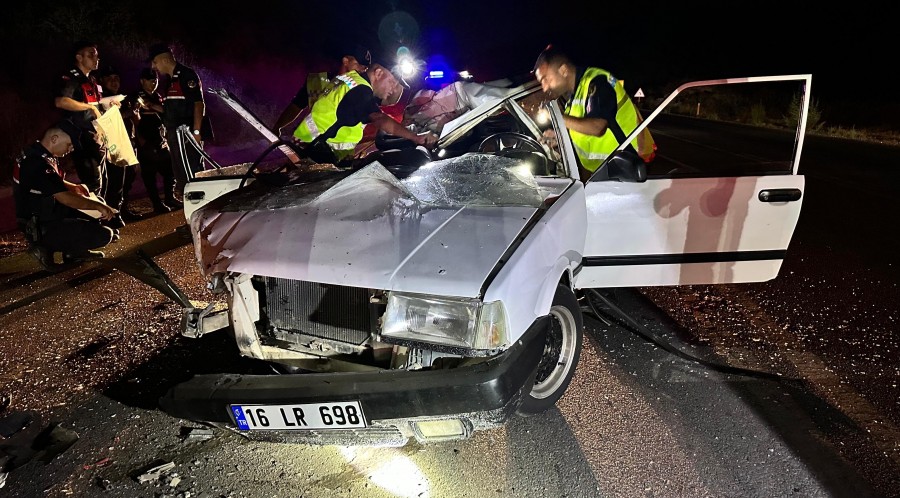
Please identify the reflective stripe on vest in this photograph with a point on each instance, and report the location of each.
(592, 150)
(324, 114)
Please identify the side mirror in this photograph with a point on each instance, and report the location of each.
(622, 166)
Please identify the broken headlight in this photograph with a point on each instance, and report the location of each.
(467, 323)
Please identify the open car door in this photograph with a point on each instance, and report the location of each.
(721, 198)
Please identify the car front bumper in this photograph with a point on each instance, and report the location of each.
(482, 395)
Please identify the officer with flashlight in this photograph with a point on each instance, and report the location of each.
(335, 123)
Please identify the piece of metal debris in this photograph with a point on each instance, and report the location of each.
(196, 434)
(155, 472)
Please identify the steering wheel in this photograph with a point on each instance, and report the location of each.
(518, 146)
(510, 140)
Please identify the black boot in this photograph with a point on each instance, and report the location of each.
(160, 207)
(173, 203)
(130, 215)
(115, 223)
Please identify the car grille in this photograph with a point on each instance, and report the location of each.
(333, 312)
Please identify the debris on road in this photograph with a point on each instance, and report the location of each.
(156, 472)
(98, 463)
(192, 434)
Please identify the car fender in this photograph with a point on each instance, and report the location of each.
(553, 245)
(562, 268)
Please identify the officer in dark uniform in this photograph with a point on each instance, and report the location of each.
(78, 96)
(183, 104)
(150, 142)
(121, 177)
(49, 208)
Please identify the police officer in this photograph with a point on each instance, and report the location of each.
(48, 206)
(78, 96)
(335, 123)
(150, 142)
(121, 177)
(183, 104)
(599, 113)
(316, 84)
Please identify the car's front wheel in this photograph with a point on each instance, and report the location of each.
(562, 349)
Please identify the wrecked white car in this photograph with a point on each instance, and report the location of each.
(429, 294)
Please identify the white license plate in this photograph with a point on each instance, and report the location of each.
(343, 415)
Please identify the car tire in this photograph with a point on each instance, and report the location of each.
(562, 349)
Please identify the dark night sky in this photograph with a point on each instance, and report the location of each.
(649, 44)
(264, 48)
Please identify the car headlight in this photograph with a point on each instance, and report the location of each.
(467, 323)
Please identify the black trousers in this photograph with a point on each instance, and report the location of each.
(90, 164)
(120, 179)
(156, 162)
(186, 160)
(74, 235)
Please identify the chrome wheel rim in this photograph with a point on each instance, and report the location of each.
(559, 350)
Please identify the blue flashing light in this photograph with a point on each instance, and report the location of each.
(436, 74)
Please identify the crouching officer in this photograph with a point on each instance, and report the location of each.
(49, 208)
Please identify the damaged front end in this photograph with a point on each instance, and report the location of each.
(345, 382)
(349, 288)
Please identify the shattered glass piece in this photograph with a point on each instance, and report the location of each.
(363, 181)
(430, 110)
(475, 180)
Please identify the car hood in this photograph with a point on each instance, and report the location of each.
(365, 230)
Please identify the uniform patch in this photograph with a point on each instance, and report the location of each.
(350, 82)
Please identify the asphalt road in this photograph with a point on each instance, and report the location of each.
(88, 351)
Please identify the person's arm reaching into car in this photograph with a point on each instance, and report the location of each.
(389, 125)
(589, 126)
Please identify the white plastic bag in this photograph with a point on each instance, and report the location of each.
(115, 138)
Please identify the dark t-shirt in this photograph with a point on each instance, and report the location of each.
(38, 176)
(301, 100)
(149, 131)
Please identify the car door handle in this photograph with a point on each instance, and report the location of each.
(198, 195)
(780, 195)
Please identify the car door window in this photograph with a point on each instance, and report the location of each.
(726, 130)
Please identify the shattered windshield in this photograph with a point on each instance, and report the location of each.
(475, 180)
(469, 180)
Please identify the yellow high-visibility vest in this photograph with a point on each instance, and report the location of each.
(323, 114)
(316, 86)
(592, 150)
